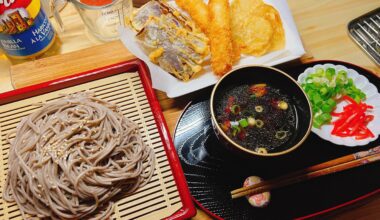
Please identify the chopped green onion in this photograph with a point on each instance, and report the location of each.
(261, 150)
(243, 123)
(234, 123)
(330, 73)
(350, 82)
(326, 108)
(259, 123)
(323, 91)
(331, 102)
(321, 119)
(235, 130)
(324, 87)
(326, 117)
(251, 121)
(316, 99)
(235, 109)
(342, 73)
(282, 105)
(281, 134)
(317, 123)
(259, 108)
(357, 98)
(320, 71)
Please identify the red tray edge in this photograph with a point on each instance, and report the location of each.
(188, 209)
(365, 196)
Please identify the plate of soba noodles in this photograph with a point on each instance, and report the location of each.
(89, 146)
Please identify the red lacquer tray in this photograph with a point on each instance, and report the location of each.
(128, 85)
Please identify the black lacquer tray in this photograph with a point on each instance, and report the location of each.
(213, 171)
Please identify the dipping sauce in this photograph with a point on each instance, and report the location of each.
(257, 117)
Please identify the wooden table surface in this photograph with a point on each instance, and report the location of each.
(322, 25)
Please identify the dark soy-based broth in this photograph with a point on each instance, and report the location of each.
(258, 117)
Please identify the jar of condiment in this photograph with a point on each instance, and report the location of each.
(25, 30)
(103, 17)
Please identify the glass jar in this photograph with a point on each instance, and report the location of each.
(102, 18)
(25, 30)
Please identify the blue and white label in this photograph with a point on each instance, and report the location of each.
(22, 35)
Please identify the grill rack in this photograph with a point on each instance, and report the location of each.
(365, 31)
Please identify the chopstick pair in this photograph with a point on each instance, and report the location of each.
(332, 166)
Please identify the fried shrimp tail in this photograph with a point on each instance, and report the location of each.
(220, 36)
(197, 10)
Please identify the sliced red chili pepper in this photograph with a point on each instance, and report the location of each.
(258, 90)
(349, 121)
(224, 128)
(349, 99)
(343, 134)
(336, 114)
(235, 109)
(371, 135)
(368, 118)
(343, 122)
(352, 121)
(227, 123)
(366, 133)
(357, 125)
(230, 102)
(242, 134)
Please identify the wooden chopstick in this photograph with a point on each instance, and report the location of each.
(332, 166)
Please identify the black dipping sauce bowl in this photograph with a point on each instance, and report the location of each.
(274, 78)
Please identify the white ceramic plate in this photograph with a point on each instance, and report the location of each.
(372, 98)
(173, 87)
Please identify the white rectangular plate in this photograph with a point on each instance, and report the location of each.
(173, 87)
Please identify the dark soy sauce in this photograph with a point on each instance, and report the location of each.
(275, 119)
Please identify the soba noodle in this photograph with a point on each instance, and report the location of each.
(72, 156)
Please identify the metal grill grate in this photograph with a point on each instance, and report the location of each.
(159, 198)
(365, 30)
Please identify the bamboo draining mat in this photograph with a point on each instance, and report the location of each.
(159, 198)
